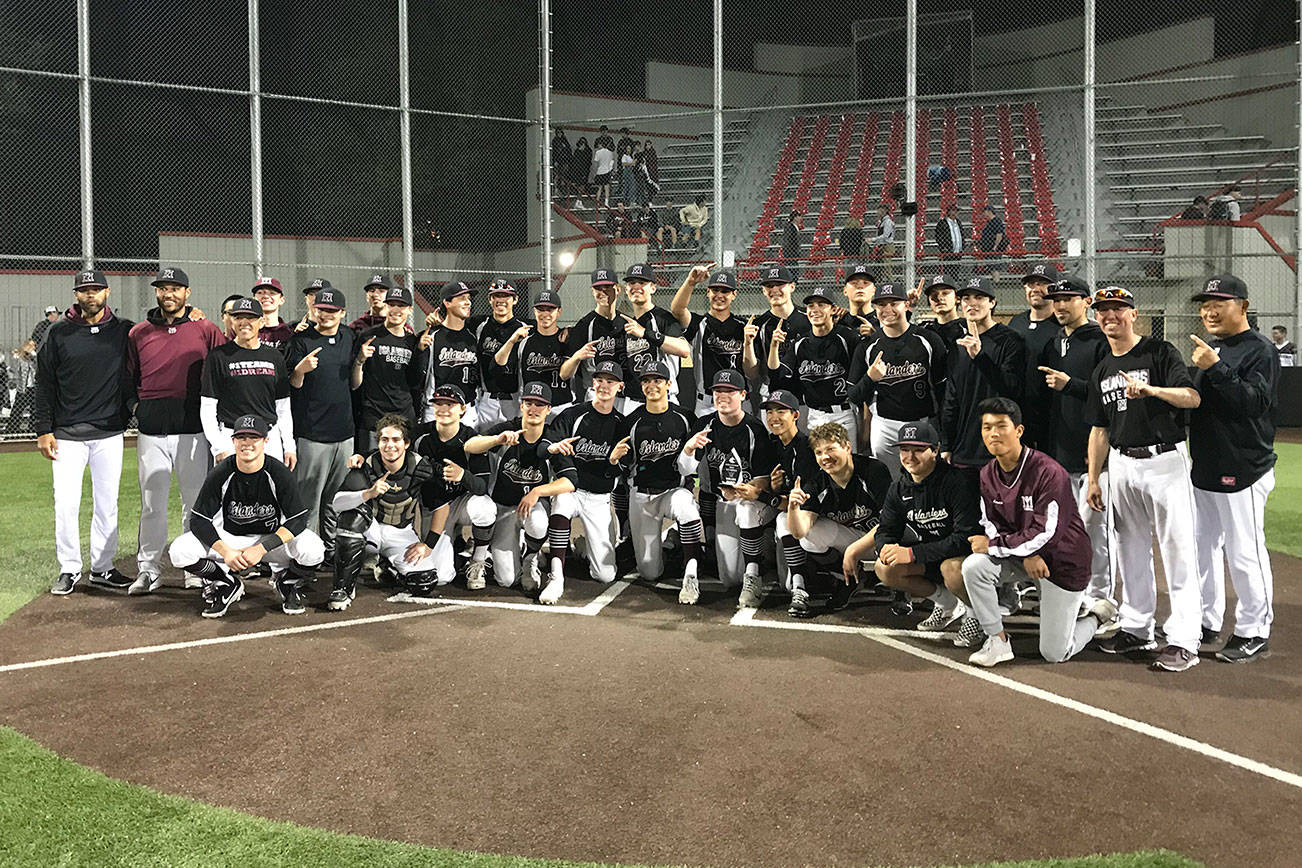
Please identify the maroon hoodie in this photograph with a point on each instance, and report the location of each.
(165, 361)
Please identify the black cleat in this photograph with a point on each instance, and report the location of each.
(901, 605)
(1241, 649)
(112, 580)
(1126, 643)
(341, 598)
(291, 599)
(218, 596)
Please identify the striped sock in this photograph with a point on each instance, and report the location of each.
(689, 534)
(795, 558)
(619, 498)
(205, 569)
(750, 545)
(558, 537)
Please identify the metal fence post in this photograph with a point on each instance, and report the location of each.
(1090, 251)
(545, 95)
(404, 119)
(911, 138)
(717, 156)
(255, 139)
(83, 112)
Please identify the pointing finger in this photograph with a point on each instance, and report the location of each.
(313, 353)
(751, 321)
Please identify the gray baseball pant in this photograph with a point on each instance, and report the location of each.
(1062, 633)
(158, 456)
(320, 472)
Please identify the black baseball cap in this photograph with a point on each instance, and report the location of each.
(1222, 286)
(455, 288)
(1042, 271)
(168, 276)
(818, 293)
(1069, 286)
(639, 271)
(245, 306)
(329, 299)
(89, 277)
(447, 393)
(398, 295)
(251, 424)
(547, 298)
(611, 370)
(501, 287)
(724, 279)
(781, 398)
(860, 269)
(316, 285)
(917, 434)
(1113, 294)
(655, 369)
(540, 392)
(379, 280)
(778, 274)
(604, 277)
(728, 379)
(940, 281)
(980, 286)
(890, 292)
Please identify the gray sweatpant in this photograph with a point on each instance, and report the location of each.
(320, 471)
(1062, 633)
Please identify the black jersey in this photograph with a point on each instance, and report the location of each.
(736, 453)
(539, 358)
(434, 449)
(1138, 421)
(397, 506)
(323, 405)
(795, 325)
(525, 466)
(640, 355)
(234, 503)
(393, 379)
(915, 374)
(608, 334)
(998, 369)
(453, 358)
(1067, 433)
(491, 336)
(244, 381)
(598, 433)
(821, 364)
(1232, 432)
(716, 346)
(656, 439)
(859, 504)
(934, 517)
(796, 460)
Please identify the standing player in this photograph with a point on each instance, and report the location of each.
(274, 332)
(453, 352)
(1136, 401)
(248, 512)
(779, 283)
(941, 299)
(651, 336)
(601, 332)
(244, 378)
(1038, 328)
(79, 415)
(165, 356)
(820, 361)
(1030, 529)
(715, 337)
(736, 450)
(795, 461)
(658, 433)
(1231, 442)
(989, 361)
(595, 434)
(540, 355)
(1066, 363)
(858, 289)
(900, 372)
(388, 373)
(376, 306)
(376, 504)
(500, 398)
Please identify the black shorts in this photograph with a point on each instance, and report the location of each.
(931, 572)
(602, 180)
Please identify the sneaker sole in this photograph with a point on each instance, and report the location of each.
(71, 588)
(337, 606)
(297, 611)
(1134, 649)
(991, 663)
(1260, 655)
(1158, 667)
(109, 586)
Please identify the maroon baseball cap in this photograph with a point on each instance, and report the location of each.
(269, 283)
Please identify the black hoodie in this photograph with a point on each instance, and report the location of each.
(82, 388)
(934, 517)
(1068, 431)
(998, 370)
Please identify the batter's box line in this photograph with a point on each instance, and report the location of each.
(887, 637)
(592, 608)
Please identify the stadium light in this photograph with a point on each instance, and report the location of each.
(566, 259)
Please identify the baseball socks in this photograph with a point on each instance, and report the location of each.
(751, 584)
(794, 555)
(531, 575)
(558, 542)
(689, 534)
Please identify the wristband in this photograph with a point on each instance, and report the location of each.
(270, 541)
(655, 338)
(776, 501)
(432, 539)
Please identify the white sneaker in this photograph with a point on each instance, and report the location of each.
(530, 574)
(553, 591)
(940, 619)
(691, 591)
(1105, 612)
(146, 583)
(993, 652)
(751, 592)
(193, 582)
(475, 576)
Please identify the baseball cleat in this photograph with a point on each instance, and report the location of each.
(992, 653)
(475, 576)
(530, 574)
(64, 584)
(145, 583)
(218, 597)
(970, 634)
(1241, 649)
(553, 591)
(841, 594)
(111, 579)
(901, 605)
(1174, 659)
(799, 607)
(1126, 643)
(940, 618)
(691, 590)
(291, 600)
(341, 598)
(751, 592)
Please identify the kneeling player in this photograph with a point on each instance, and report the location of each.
(1032, 530)
(927, 518)
(377, 505)
(249, 511)
(843, 512)
(795, 461)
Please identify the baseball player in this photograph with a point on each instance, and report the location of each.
(842, 513)
(651, 335)
(988, 361)
(388, 372)
(715, 337)
(527, 475)
(778, 283)
(737, 453)
(795, 461)
(453, 351)
(228, 325)
(595, 435)
(1136, 401)
(376, 504)
(1231, 442)
(244, 378)
(1038, 328)
(1030, 529)
(248, 512)
(377, 292)
(79, 414)
(456, 494)
(1066, 363)
(165, 356)
(859, 285)
(658, 433)
(540, 352)
(926, 520)
(274, 332)
(601, 333)
(500, 398)
(943, 303)
(820, 360)
(899, 371)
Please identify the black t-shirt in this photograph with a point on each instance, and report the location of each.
(540, 358)
(323, 405)
(859, 504)
(735, 453)
(1038, 334)
(247, 504)
(656, 439)
(716, 346)
(525, 466)
(821, 365)
(784, 377)
(454, 358)
(598, 433)
(393, 378)
(397, 506)
(491, 336)
(244, 381)
(1138, 421)
(915, 374)
(640, 355)
(429, 445)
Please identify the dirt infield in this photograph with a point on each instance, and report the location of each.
(641, 731)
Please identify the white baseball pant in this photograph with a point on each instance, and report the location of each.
(490, 411)
(646, 517)
(1063, 633)
(158, 456)
(69, 468)
(730, 518)
(1147, 496)
(473, 509)
(598, 528)
(827, 535)
(1096, 525)
(393, 542)
(882, 436)
(846, 417)
(305, 549)
(1230, 528)
(505, 544)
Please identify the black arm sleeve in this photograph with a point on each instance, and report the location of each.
(208, 503)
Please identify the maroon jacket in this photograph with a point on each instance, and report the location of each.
(164, 361)
(1032, 511)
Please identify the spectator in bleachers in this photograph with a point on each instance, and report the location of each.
(948, 234)
(851, 240)
(1226, 205)
(22, 385)
(604, 139)
(693, 218)
(620, 223)
(561, 156)
(603, 166)
(666, 226)
(1287, 351)
(1196, 211)
(646, 185)
(649, 223)
(580, 162)
(51, 317)
(626, 143)
(791, 237)
(992, 242)
(652, 162)
(883, 243)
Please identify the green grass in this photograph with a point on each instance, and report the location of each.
(55, 812)
(1284, 508)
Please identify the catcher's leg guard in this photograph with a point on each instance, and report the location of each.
(350, 547)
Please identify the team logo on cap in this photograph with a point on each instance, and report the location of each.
(1213, 286)
(87, 276)
(637, 269)
(167, 274)
(909, 433)
(318, 283)
(377, 278)
(1039, 269)
(773, 272)
(974, 283)
(246, 422)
